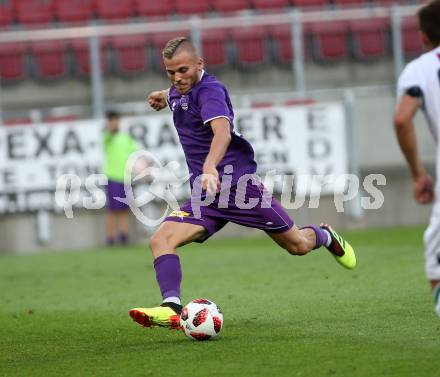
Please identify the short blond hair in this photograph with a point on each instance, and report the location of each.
(175, 44)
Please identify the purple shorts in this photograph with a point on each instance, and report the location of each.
(115, 190)
(270, 217)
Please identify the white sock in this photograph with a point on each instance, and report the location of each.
(437, 308)
(175, 300)
(329, 237)
(437, 299)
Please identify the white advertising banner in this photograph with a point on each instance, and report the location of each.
(297, 141)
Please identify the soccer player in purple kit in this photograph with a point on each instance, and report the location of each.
(220, 160)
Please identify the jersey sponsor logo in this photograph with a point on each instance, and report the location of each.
(180, 214)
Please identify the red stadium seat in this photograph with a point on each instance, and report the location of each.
(250, 42)
(411, 39)
(309, 3)
(130, 53)
(369, 36)
(329, 40)
(74, 10)
(50, 59)
(34, 12)
(214, 48)
(270, 4)
(281, 35)
(350, 3)
(12, 61)
(228, 6)
(5, 15)
(80, 49)
(114, 9)
(189, 7)
(154, 8)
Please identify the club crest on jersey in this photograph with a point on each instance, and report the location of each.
(184, 102)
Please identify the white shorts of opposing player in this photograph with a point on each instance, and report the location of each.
(431, 239)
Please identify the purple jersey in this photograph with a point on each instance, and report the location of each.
(192, 113)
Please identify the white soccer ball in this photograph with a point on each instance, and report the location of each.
(201, 319)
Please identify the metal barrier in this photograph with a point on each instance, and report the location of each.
(295, 18)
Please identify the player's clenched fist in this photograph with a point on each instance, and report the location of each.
(423, 189)
(210, 180)
(157, 99)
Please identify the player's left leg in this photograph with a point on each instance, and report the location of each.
(269, 215)
(302, 241)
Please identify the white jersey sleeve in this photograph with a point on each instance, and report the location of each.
(411, 78)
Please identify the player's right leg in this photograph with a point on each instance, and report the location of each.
(435, 284)
(163, 245)
(431, 240)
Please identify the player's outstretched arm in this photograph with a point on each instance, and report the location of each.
(158, 99)
(423, 187)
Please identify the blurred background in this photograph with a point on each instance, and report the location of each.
(64, 63)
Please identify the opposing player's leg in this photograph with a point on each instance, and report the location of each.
(435, 285)
(301, 241)
(431, 240)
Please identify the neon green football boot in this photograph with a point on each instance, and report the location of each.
(340, 249)
(160, 316)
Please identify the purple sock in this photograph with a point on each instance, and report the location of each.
(321, 235)
(168, 275)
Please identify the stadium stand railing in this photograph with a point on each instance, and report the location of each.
(324, 41)
(46, 40)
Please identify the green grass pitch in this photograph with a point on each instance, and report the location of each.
(65, 314)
